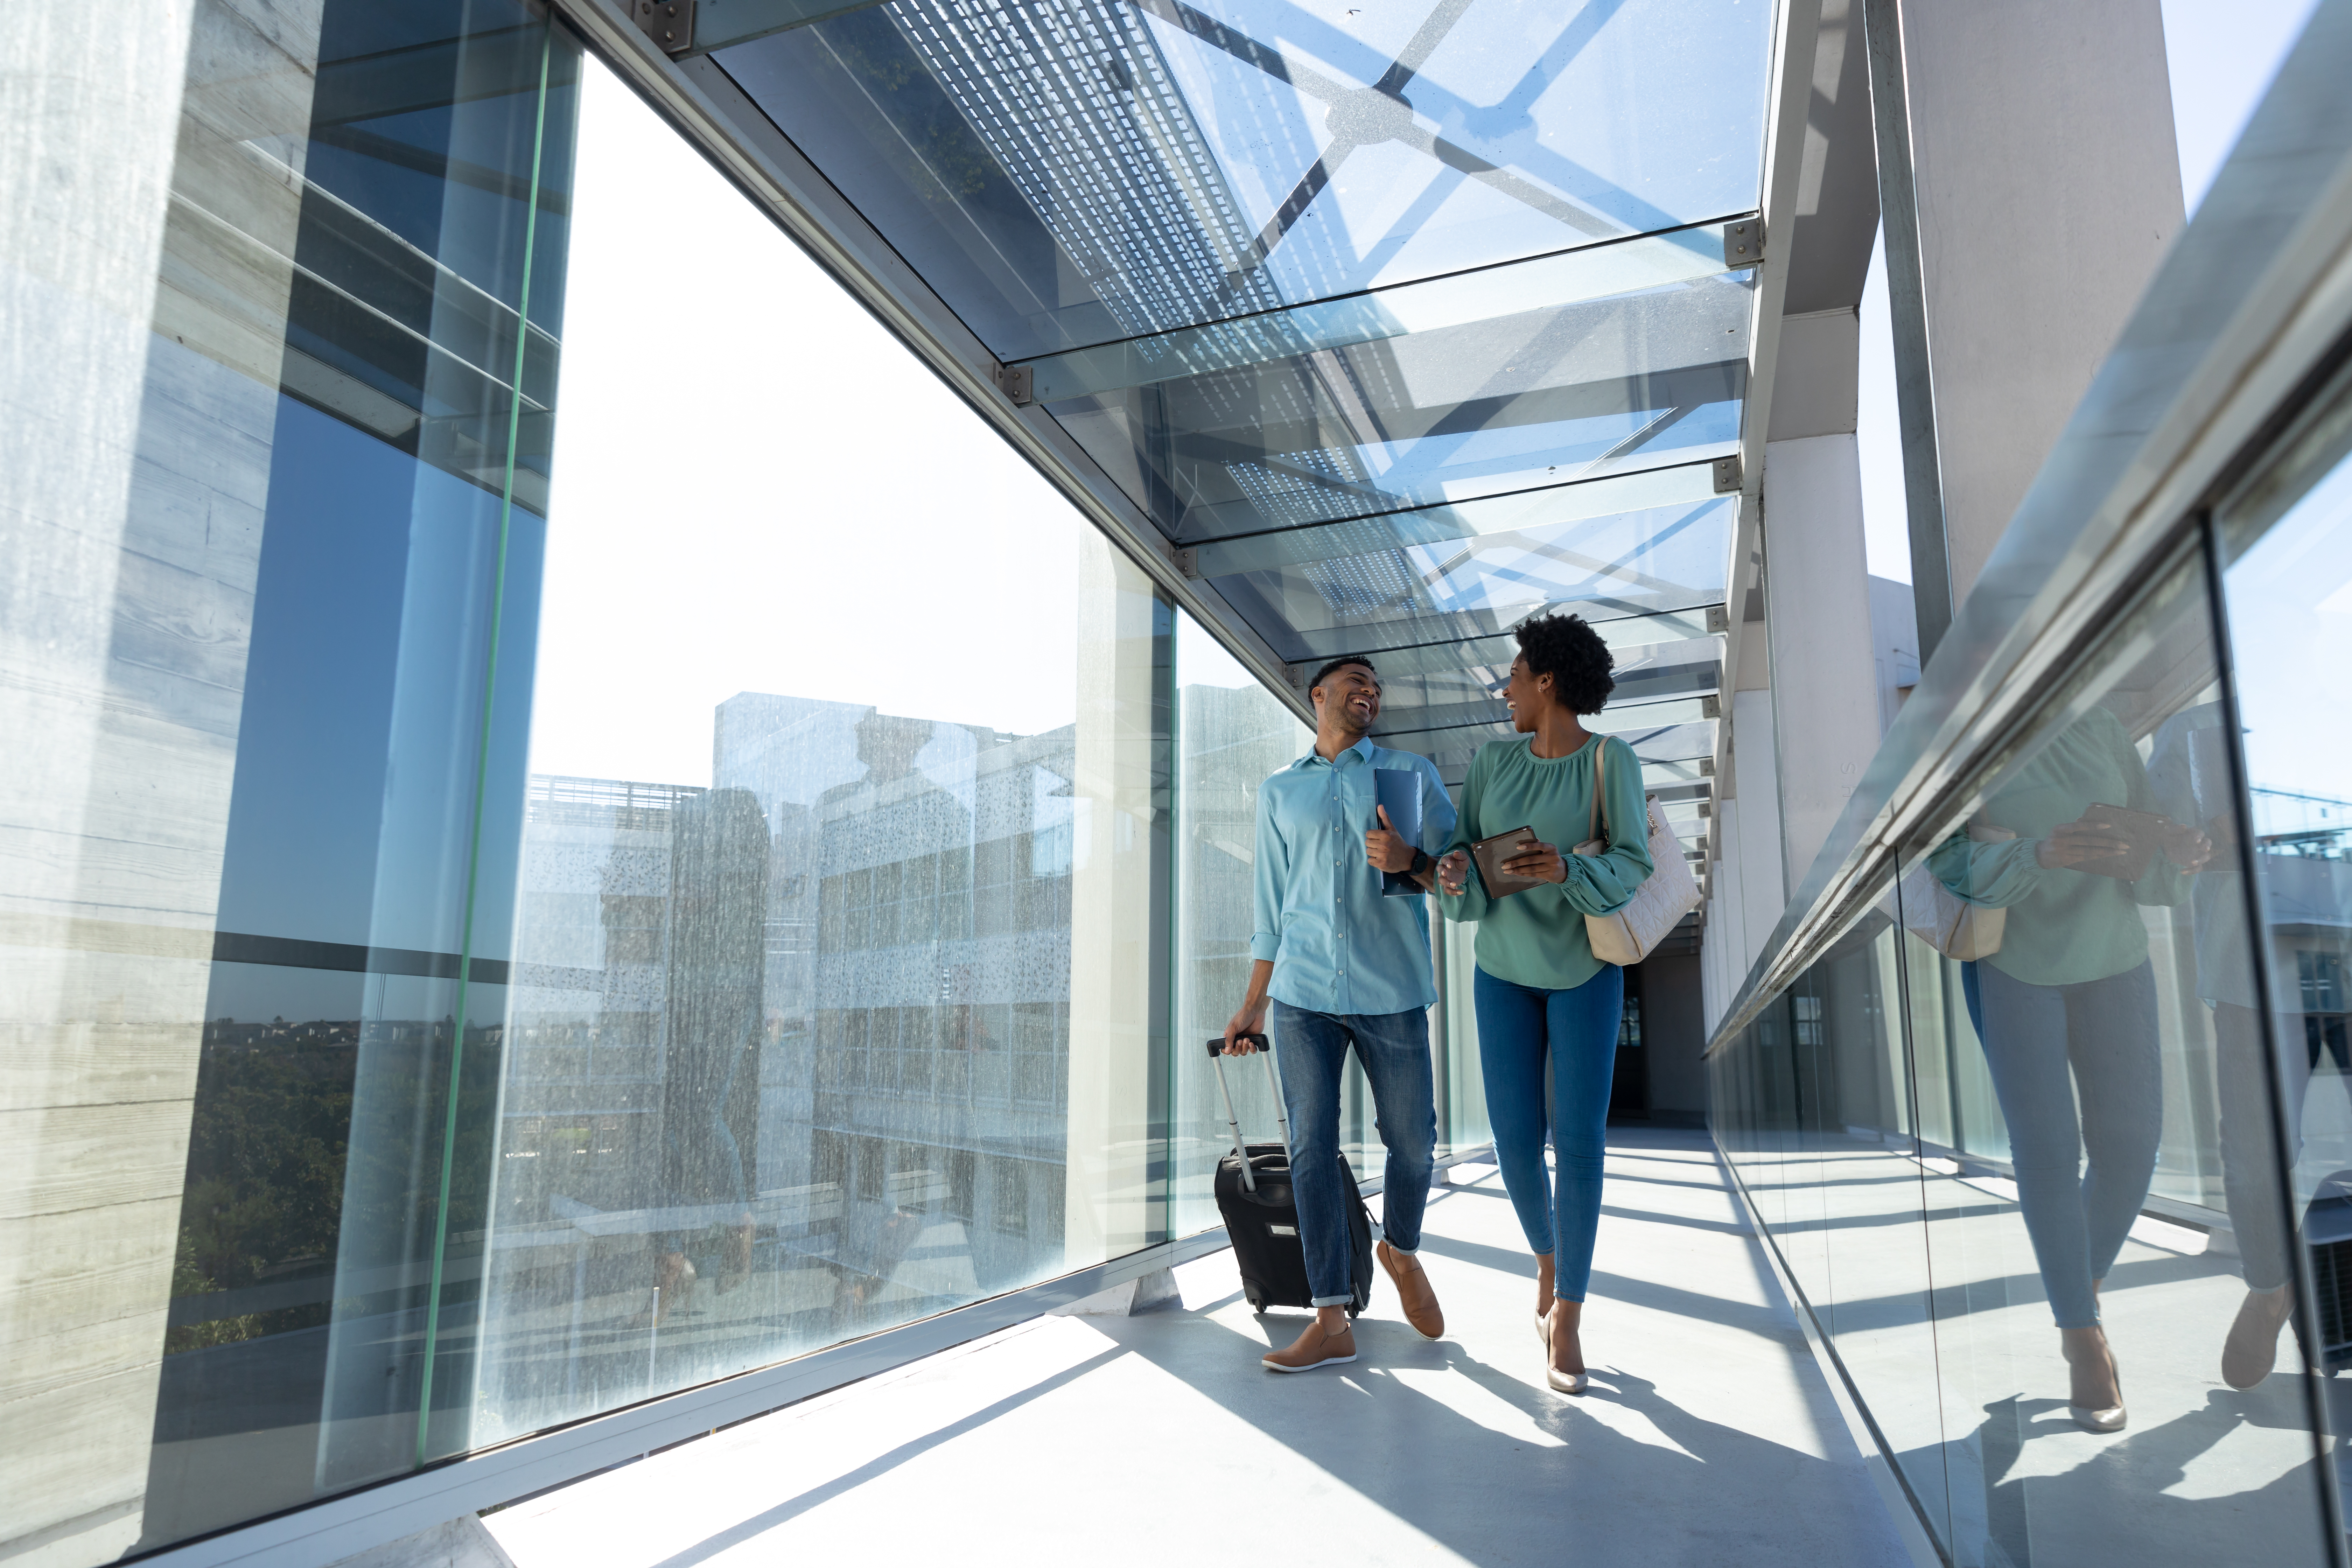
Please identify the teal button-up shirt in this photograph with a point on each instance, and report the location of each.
(1339, 944)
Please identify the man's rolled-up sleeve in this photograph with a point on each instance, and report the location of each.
(1267, 875)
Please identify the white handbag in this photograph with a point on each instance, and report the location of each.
(1668, 893)
(1948, 923)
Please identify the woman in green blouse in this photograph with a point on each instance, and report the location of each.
(1540, 992)
(2066, 1011)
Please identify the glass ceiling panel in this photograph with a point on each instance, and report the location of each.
(1472, 693)
(1571, 278)
(1686, 484)
(1654, 739)
(1067, 172)
(1637, 564)
(1620, 633)
(1633, 381)
(1405, 324)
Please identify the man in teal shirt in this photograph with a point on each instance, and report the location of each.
(1338, 963)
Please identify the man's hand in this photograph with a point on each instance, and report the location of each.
(1386, 848)
(1534, 859)
(1454, 871)
(1249, 1018)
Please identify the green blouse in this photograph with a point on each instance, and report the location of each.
(1536, 937)
(2065, 926)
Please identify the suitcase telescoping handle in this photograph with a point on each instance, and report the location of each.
(1241, 1150)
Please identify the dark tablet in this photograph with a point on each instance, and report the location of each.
(1489, 854)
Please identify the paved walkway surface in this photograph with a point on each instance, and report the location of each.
(1708, 1437)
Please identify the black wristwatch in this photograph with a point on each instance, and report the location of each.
(1421, 862)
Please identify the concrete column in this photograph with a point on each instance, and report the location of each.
(2048, 187)
(1825, 701)
(102, 963)
(1727, 920)
(1763, 875)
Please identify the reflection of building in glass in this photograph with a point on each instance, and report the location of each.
(789, 1053)
(933, 1004)
(2306, 859)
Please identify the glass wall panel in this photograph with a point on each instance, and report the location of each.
(1462, 1122)
(2288, 585)
(1812, 1105)
(1876, 1305)
(1230, 735)
(283, 324)
(2081, 902)
(838, 992)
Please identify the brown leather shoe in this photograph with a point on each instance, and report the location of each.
(1415, 1292)
(1313, 1349)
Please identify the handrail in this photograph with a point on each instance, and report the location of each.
(2253, 302)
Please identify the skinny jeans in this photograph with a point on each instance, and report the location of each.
(1521, 1029)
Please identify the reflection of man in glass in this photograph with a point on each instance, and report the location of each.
(2191, 770)
(2072, 989)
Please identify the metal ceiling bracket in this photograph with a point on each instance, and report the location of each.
(1188, 561)
(1718, 619)
(668, 23)
(1014, 382)
(1729, 475)
(1710, 706)
(1743, 243)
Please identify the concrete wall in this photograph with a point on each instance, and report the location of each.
(95, 980)
(137, 432)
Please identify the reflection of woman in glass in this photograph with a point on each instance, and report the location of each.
(2072, 989)
(1543, 999)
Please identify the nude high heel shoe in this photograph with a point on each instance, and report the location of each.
(1559, 1382)
(2112, 1418)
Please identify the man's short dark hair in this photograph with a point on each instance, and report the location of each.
(1342, 661)
(1573, 655)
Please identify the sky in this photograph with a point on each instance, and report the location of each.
(755, 488)
(2221, 54)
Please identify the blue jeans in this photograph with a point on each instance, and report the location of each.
(2106, 1032)
(1310, 1048)
(1520, 1027)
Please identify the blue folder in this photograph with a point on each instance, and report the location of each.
(1398, 791)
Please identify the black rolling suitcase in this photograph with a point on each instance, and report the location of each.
(1263, 1220)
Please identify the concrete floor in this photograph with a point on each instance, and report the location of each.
(1708, 1438)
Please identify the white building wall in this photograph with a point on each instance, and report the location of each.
(2049, 187)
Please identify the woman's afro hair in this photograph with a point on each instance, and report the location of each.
(1573, 655)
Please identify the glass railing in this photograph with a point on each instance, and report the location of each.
(2042, 1093)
